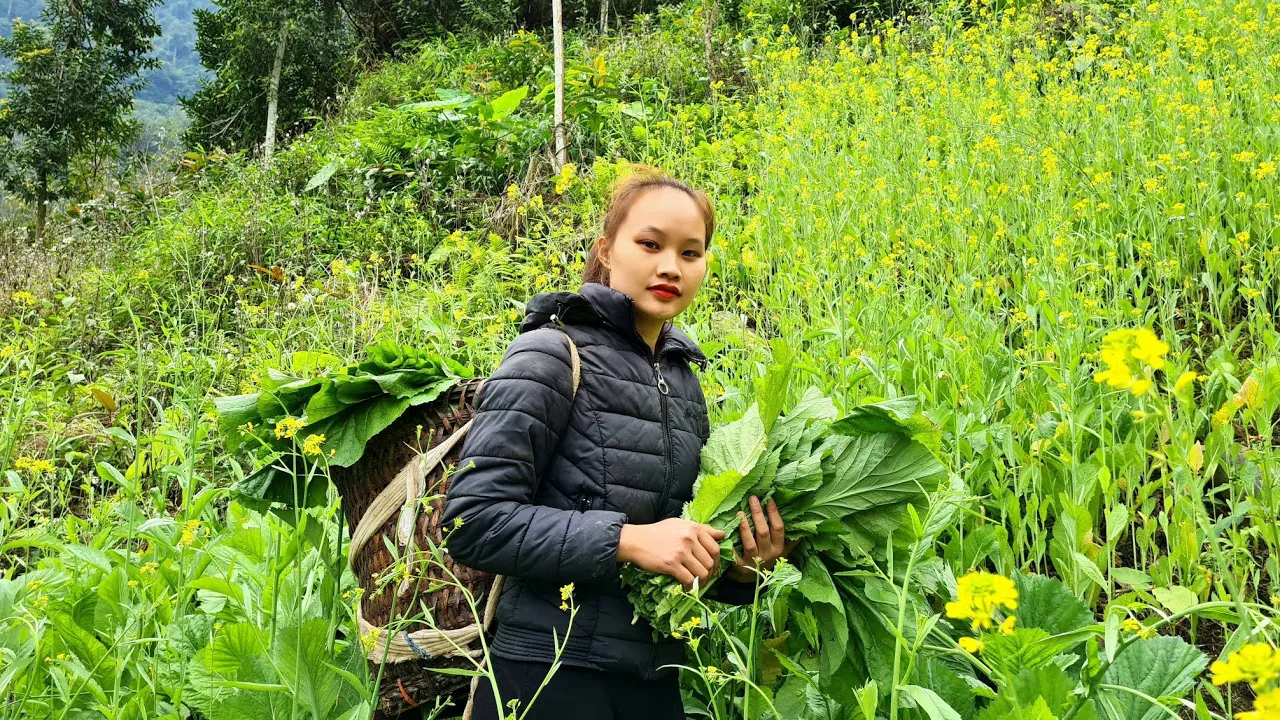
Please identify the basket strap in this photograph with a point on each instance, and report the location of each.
(396, 494)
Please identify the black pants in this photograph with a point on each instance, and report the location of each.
(578, 694)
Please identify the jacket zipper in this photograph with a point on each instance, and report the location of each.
(663, 390)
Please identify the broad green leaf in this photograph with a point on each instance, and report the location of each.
(505, 104)
(322, 175)
(711, 491)
(300, 654)
(929, 702)
(1047, 604)
(1161, 666)
(934, 674)
(217, 585)
(1135, 579)
(735, 446)
(1175, 599)
(347, 434)
(234, 648)
(771, 389)
(1050, 686)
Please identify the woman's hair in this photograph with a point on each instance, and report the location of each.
(625, 193)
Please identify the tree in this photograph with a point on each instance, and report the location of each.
(246, 43)
(71, 87)
(558, 40)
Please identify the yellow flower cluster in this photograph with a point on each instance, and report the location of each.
(190, 530)
(566, 594)
(1265, 707)
(311, 446)
(1127, 350)
(1257, 664)
(1133, 626)
(289, 427)
(33, 466)
(978, 596)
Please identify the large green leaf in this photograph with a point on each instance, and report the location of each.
(933, 673)
(506, 103)
(735, 446)
(1049, 686)
(929, 703)
(300, 654)
(346, 434)
(1163, 666)
(771, 389)
(1046, 603)
(711, 492)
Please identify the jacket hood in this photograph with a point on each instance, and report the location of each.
(595, 303)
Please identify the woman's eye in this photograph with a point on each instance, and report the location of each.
(692, 254)
(649, 244)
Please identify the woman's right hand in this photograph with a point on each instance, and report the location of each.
(680, 548)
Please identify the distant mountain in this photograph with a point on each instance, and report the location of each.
(181, 71)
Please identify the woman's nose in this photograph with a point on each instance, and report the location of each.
(668, 267)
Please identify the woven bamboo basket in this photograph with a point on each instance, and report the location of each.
(402, 453)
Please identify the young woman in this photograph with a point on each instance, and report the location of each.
(552, 491)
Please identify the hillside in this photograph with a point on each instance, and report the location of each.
(1055, 227)
(180, 73)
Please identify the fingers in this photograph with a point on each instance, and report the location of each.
(712, 548)
(750, 551)
(703, 558)
(764, 535)
(683, 576)
(776, 529)
(696, 569)
(715, 534)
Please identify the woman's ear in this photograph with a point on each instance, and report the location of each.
(602, 252)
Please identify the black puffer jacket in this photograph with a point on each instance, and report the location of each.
(544, 486)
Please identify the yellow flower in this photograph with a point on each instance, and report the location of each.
(970, 645)
(979, 594)
(25, 298)
(1265, 707)
(289, 427)
(1256, 664)
(566, 594)
(189, 530)
(33, 466)
(1125, 351)
(1183, 382)
(311, 446)
(1006, 627)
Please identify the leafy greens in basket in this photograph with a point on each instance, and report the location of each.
(346, 405)
(841, 485)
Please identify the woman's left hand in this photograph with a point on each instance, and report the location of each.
(764, 545)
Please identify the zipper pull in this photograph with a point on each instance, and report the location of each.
(662, 382)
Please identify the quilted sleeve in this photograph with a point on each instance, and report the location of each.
(524, 409)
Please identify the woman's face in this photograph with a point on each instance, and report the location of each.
(659, 254)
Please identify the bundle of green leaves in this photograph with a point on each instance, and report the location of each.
(842, 486)
(324, 413)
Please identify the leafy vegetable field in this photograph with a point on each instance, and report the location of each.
(1024, 256)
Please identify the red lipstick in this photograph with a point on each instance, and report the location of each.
(665, 291)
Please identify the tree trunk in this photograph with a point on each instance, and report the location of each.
(42, 202)
(604, 16)
(557, 23)
(708, 28)
(273, 94)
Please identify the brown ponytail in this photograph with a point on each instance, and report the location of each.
(625, 193)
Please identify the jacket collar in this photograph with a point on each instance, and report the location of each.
(595, 303)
